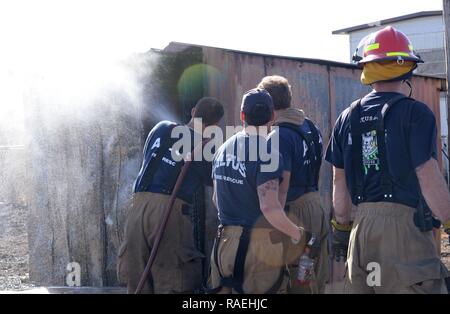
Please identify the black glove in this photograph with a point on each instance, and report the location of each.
(341, 238)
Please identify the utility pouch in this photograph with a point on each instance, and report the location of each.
(277, 237)
(423, 218)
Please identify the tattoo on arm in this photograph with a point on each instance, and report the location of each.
(271, 185)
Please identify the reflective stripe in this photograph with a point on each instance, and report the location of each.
(404, 54)
(372, 47)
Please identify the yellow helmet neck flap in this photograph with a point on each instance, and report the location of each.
(385, 71)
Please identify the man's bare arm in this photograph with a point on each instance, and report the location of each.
(341, 197)
(272, 210)
(434, 189)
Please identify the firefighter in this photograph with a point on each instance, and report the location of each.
(248, 255)
(384, 157)
(177, 268)
(300, 144)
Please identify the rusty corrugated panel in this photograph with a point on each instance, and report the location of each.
(310, 92)
(238, 73)
(427, 90)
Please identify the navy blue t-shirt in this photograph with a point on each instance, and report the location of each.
(294, 150)
(164, 177)
(410, 141)
(236, 178)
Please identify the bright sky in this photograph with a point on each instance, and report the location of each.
(71, 44)
(46, 31)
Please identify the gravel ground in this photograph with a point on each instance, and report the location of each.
(14, 248)
(445, 250)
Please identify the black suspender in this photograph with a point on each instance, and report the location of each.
(314, 149)
(423, 217)
(236, 280)
(357, 159)
(357, 130)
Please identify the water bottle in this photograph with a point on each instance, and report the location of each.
(306, 263)
(305, 268)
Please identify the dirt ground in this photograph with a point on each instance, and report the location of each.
(445, 250)
(14, 248)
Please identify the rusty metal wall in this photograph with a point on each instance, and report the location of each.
(322, 89)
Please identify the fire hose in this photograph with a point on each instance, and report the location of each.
(166, 215)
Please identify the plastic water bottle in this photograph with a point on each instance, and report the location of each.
(305, 269)
(306, 263)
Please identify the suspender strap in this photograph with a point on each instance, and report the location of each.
(239, 262)
(236, 281)
(386, 180)
(357, 162)
(154, 163)
(357, 130)
(313, 154)
(317, 158)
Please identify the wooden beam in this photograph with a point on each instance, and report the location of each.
(446, 15)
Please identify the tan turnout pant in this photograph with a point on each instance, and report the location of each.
(407, 260)
(263, 264)
(307, 211)
(177, 268)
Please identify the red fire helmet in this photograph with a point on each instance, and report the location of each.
(385, 44)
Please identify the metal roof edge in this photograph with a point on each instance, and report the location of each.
(346, 31)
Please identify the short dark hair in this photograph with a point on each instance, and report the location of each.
(280, 90)
(209, 109)
(260, 115)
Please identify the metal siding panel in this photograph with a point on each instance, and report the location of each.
(221, 87)
(347, 88)
(310, 92)
(238, 73)
(427, 90)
